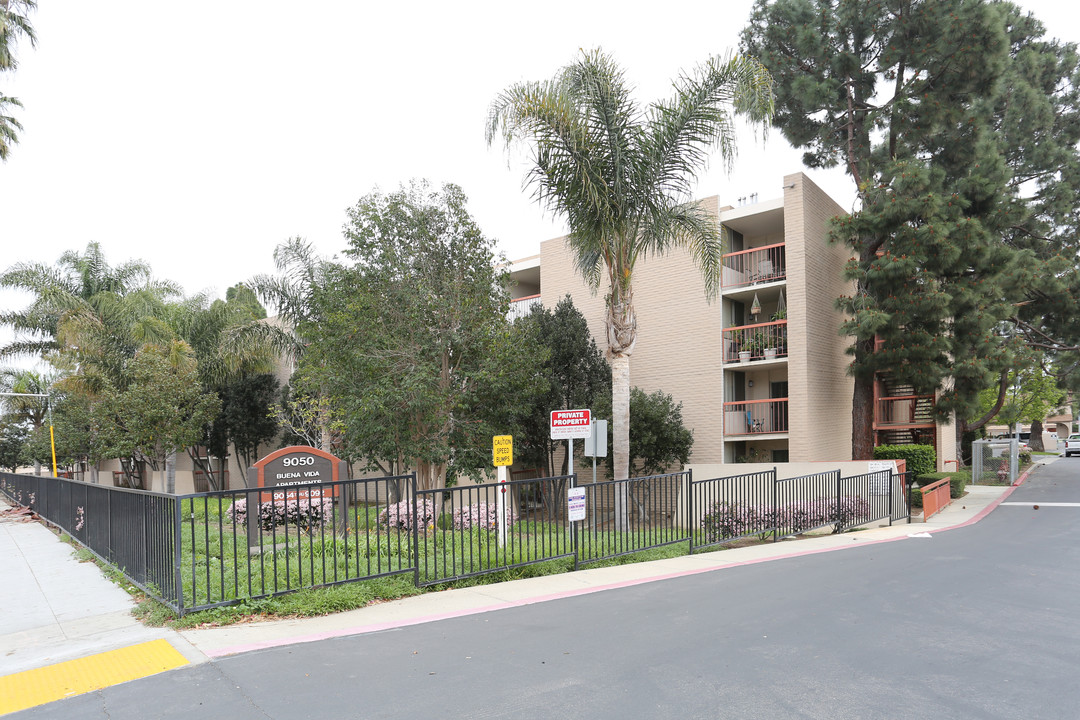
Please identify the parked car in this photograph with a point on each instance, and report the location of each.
(1072, 445)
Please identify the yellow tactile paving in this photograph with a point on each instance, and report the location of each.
(74, 677)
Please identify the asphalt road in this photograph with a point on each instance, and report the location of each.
(978, 622)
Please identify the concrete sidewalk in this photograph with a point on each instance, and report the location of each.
(54, 608)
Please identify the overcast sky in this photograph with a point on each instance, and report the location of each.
(198, 137)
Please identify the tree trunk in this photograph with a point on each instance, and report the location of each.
(94, 474)
(862, 419)
(170, 473)
(1036, 441)
(620, 426)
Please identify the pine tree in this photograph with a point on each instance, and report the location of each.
(924, 103)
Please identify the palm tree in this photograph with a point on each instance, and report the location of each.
(622, 176)
(8, 126)
(14, 24)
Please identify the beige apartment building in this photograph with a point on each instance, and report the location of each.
(761, 370)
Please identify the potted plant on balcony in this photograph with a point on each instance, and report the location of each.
(778, 341)
(757, 343)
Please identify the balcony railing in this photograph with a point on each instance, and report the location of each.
(756, 417)
(522, 306)
(757, 265)
(907, 411)
(760, 342)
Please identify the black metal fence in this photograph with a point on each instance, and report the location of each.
(194, 552)
(628, 516)
(472, 530)
(131, 529)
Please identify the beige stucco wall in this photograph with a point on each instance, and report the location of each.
(679, 332)
(818, 385)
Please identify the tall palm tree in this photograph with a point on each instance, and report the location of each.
(14, 24)
(622, 177)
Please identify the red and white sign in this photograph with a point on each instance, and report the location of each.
(570, 424)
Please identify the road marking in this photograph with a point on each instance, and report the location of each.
(31, 688)
(1042, 504)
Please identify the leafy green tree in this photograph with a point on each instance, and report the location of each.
(233, 356)
(246, 414)
(161, 412)
(942, 113)
(659, 440)
(14, 438)
(622, 179)
(23, 407)
(413, 348)
(575, 372)
(14, 25)
(1031, 394)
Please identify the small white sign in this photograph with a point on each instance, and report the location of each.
(880, 485)
(575, 504)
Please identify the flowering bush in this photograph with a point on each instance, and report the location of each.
(483, 515)
(400, 515)
(303, 512)
(735, 519)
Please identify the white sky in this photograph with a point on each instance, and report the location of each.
(198, 141)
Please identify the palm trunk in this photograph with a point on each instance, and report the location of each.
(170, 473)
(620, 427)
(622, 336)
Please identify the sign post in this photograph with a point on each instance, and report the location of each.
(502, 457)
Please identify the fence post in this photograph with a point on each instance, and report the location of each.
(775, 508)
(573, 524)
(691, 519)
(907, 485)
(178, 525)
(416, 531)
(892, 489)
(839, 492)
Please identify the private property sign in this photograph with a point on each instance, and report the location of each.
(570, 424)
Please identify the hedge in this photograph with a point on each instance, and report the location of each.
(957, 483)
(921, 459)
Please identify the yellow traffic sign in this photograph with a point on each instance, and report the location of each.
(502, 450)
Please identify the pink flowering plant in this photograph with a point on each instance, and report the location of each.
(400, 515)
(726, 520)
(483, 515)
(302, 512)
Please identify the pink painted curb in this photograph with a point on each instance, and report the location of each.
(376, 627)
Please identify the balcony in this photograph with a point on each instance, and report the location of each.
(905, 412)
(764, 341)
(754, 266)
(522, 306)
(756, 417)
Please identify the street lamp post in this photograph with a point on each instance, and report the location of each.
(48, 407)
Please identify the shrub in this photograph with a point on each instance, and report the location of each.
(957, 481)
(726, 520)
(733, 519)
(483, 515)
(400, 515)
(303, 512)
(916, 498)
(921, 459)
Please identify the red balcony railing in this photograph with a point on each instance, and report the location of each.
(761, 341)
(756, 417)
(522, 306)
(757, 265)
(907, 411)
